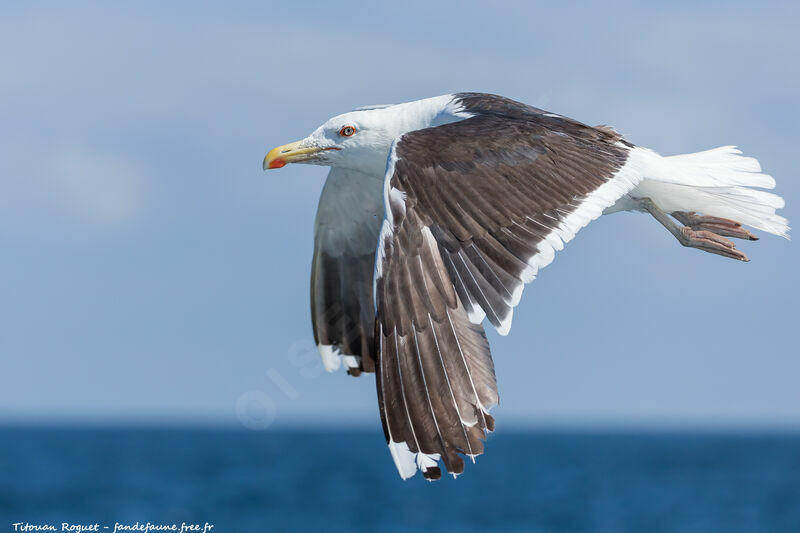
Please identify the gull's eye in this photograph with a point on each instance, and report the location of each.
(347, 131)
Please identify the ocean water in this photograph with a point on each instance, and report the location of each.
(243, 481)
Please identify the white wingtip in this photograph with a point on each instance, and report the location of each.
(331, 357)
(505, 323)
(351, 361)
(408, 462)
(403, 459)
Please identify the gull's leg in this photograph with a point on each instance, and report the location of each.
(720, 226)
(697, 236)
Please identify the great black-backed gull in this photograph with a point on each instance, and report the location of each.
(437, 212)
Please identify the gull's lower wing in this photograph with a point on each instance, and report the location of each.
(345, 236)
(473, 210)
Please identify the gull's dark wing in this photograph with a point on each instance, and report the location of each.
(345, 236)
(474, 209)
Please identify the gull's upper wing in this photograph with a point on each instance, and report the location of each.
(345, 236)
(473, 210)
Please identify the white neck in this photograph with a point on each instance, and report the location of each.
(390, 122)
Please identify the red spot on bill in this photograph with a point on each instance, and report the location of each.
(277, 163)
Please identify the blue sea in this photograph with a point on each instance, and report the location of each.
(243, 481)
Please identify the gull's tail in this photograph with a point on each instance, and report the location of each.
(718, 182)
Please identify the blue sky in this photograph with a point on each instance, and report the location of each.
(152, 272)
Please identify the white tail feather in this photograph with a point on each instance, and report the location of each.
(715, 182)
